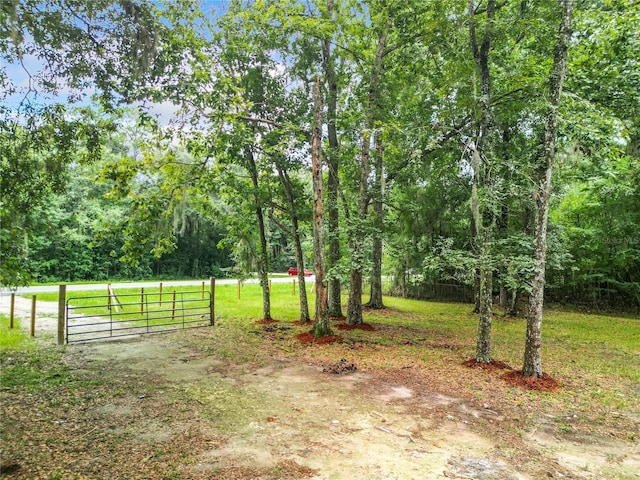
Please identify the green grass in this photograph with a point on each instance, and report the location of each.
(11, 338)
(574, 343)
(284, 303)
(595, 357)
(27, 364)
(34, 369)
(569, 335)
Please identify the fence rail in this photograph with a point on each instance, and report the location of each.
(429, 291)
(110, 316)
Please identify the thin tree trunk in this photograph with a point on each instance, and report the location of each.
(321, 326)
(356, 240)
(484, 271)
(502, 228)
(476, 253)
(333, 162)
(483, 347)
(375, 299)
(295, 232)
(263, 254)
(533, 346)
(483, 216)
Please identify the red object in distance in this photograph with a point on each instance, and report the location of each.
(294, 271)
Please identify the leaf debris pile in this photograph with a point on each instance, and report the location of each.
(340, 367)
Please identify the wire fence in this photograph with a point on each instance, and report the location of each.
(449, 292)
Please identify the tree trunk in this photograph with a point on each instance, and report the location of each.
(484, 272)
(375, 299)
(483, 347)
(354, 305)
(295, 232)
(321, 326)
(482, 211)
(476, 252)
(333, 162)
(356, 240)
(502, 228)
(504, 297)
(263, 254)
(533, 347)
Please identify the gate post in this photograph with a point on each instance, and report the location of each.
(62, 300)
(32, 330)
(12, 309)
(213, 299)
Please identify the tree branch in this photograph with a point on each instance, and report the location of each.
(480, 11)
(444, 138)
(272, 123)
(402, 44)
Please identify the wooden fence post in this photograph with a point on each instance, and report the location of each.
(173, 306)
(141, 300)
(202, 294)
(238, 289)
(12, 309)
(62, 300)
(213, 299)
(116, 302)
(160, 300)
(33, 316)
(294, 286)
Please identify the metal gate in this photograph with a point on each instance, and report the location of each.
(110, 316)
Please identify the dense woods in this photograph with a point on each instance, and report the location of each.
(490, 145)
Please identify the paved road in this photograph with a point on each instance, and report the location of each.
(165, 283)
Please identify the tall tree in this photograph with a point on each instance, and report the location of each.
(111, 45)
(356, 241)
(532, 366)
(333, 163)
(34, 162)
(482, 156)
(375, 297)
(321, 326)
(296, 236)
(263, 249)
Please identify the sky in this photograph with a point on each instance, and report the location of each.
(22, 74)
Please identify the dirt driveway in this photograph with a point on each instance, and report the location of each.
(180, 406)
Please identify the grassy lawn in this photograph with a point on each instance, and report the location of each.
(421, 346)
(595, 357)
(11, 338)
(574, 343)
